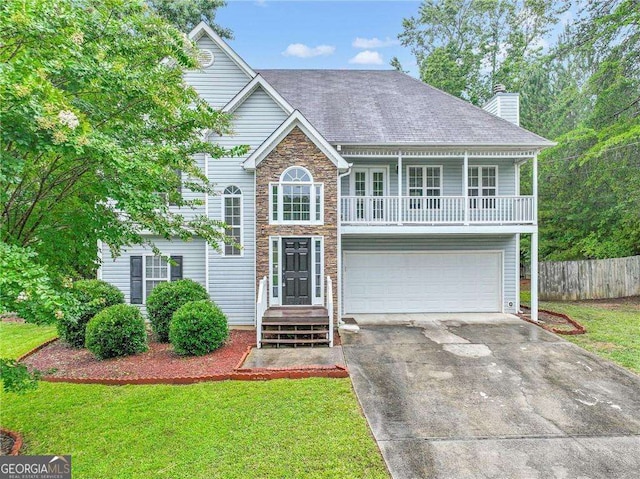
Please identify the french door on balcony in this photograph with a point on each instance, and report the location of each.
(368, 183)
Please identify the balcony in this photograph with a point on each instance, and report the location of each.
(440, 210)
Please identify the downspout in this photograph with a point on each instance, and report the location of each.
(206, 213)
(400, 209)
(339, 278)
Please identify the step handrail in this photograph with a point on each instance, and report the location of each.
(330, 309)
(261, 307)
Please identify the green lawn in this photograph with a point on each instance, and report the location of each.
(233, 429)
(17, 339)
(612, 334)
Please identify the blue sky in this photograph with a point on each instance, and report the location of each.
(318, 34)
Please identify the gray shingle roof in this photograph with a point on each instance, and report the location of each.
(386, 106)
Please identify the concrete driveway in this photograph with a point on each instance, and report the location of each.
(492, 397)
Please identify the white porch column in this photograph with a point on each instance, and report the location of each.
(534, 184)
(534, 276)
(465, 193)
(399, 187)
(534, 243)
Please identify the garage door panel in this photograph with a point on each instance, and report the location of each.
(394, 282)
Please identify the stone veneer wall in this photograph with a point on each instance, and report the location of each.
(298, 150)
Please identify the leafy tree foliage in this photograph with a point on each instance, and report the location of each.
(96, 122)
(584, 92)
(464, 47)
(590, 188)
(27, 288)
(186, 14)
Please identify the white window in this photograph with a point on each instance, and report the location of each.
(483, 183)
(317, 267)
(296, 198)
(232, 216)
(424, 182)
(156, 271)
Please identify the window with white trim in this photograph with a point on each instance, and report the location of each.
(483, 182)
(156, 271)
(232, 216)
(296, 198)
(424, 181)
(275, 268)
(317, 271)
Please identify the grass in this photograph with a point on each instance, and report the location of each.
(234, 429)
(612, 334)
(17, 339)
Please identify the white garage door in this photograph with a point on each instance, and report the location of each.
(422, 282)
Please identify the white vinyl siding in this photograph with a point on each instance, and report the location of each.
(452, 182)
(396, 243)
(117, 271)
(188, 212)
(219, 82)
(232, 280)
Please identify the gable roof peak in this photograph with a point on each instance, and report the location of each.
(204, 28)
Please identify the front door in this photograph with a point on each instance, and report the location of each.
(296, 271)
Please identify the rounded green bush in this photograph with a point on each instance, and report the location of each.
(116, 331)
(93, 296)
(198, 328)
(166, 299)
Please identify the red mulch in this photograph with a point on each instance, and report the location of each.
(555, 322)
(159, 361)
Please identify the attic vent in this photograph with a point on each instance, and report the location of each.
(499, 88)
(205, 58)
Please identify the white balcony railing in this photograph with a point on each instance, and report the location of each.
(436, 210)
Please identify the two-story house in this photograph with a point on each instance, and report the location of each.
(363, 192)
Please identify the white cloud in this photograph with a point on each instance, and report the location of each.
(367, 57)
(374, 42)
(261, 3)
(301, 50)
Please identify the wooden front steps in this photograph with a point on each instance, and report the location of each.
(295, 326)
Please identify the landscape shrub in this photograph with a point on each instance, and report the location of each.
(93, 296)
(118, 330)
(166, 299)
(198, 328)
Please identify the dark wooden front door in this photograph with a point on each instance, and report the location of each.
(296, 271)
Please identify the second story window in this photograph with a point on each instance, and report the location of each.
(296, 198)
(424, 182)
(232, 216)
(483, 182)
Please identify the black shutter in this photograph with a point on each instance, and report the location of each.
(136, 279)
(176, 268)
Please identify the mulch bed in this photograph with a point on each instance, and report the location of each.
(58, 360)
(160, 365)
(10, 442)
(555, 322)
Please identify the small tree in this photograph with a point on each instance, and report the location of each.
(96, 121)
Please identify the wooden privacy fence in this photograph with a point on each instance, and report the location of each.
(589, 279)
